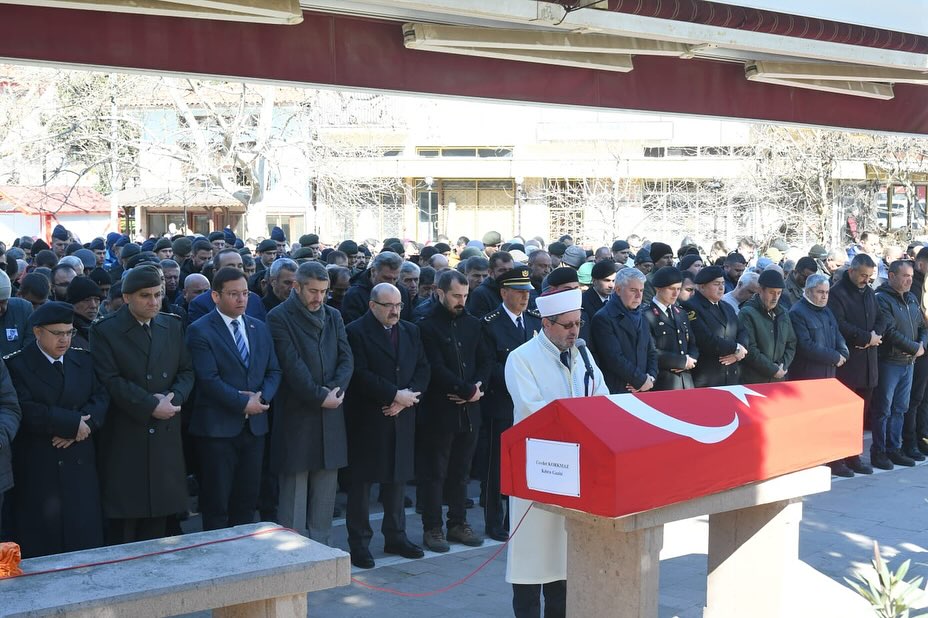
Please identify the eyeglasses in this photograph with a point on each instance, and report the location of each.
(61, 334)
(569, 325)
(397, 306)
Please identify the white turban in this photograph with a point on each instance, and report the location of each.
(558, 302)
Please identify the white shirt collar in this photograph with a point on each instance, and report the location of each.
(228, 320)
(661, 305)
(50, 358)
(511, 315)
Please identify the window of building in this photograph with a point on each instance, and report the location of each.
(162, 223)
(482, 152)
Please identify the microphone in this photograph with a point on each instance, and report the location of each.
(580, 343)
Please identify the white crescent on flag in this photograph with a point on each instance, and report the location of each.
(701, 433)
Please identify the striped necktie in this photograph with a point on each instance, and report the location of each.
(240, 342)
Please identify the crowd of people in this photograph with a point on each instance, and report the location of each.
(265, 377)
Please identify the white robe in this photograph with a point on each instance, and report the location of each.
(535, 376)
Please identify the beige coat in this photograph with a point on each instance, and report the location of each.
(535, 376)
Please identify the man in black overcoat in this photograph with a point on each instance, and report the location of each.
(140, 357)
(391, 372)
(506, 328)
(720, 337)
(677, 352)
(448, 427)
(56, 505)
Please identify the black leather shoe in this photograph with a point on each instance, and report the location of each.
(362, 559)
(881, 461)
(404, 549)
(858, 466)
(839, 468)
(899, 459)
(497, 534)
(913, 453)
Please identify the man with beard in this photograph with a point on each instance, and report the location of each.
(623, 339)
(720, 338)
(539, 265)
(670, 330)
(282, 275)
(486, 297)
(733, 266)
(85, 297)
(62, 274)
(447, 435)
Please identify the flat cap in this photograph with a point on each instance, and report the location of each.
(128, 250)
(771, 279)
(492, 238)
(82, 288)
(620, 245)
(818, 252)
(307, 240)
(560, 276)
(52, 312)
(643, 257)
(140, 278)
(557, 248)
(348, 247)
(666, 276)
(574, 256)
(688, 260)
(182, 246)
(266, 245)
(709, 273)
(60, 232)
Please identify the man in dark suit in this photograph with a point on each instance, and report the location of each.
(673, 338)
(595, 297)
(506, 328)
(237, 374)
(391, 372)
(140, 357)
(447, 433)
(10, 416)
(624, 349)
(308, 441)
(486, 296)
(720, 337)
(384, 269)
(204, 303)
(56, 505)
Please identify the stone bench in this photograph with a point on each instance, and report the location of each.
(266, 575)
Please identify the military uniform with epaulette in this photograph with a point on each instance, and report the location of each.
(501, 329)
(56, 499)
(142, 463)
(674, 340)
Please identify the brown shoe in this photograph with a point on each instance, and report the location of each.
(463, 533)
(435, 541)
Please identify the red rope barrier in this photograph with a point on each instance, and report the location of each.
(419, 595)
(154, 553)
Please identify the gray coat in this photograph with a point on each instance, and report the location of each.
(313, 360)
(10, 415)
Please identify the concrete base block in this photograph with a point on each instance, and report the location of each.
(752, 552)
(610, 572)
(281, 607)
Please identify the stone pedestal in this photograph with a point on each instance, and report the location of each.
(613, 564)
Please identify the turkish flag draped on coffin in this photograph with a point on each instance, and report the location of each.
(640, 452)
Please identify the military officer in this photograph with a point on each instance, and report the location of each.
(721, 339)
(505, 328)
(56, 505)
(140, 357)
(677, 351)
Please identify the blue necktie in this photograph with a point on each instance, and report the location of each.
(565, 358)
(240, 342)
(521, 327)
